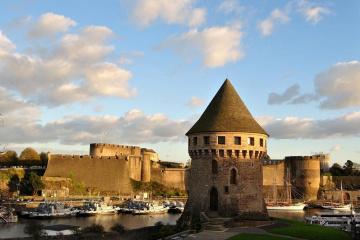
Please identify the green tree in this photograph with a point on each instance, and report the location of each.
(44, 158)
(14, 183)
(348, 168)
(29, 154)
(9, 158)
(35, 182)
(336, 170)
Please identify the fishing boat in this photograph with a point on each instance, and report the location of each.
(96, 208)
(286, 205)
(47, 210)
(7, 215)
(142, 207)
(340, 220)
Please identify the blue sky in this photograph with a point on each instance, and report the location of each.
(141, 72)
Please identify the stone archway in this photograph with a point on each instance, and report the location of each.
(214, 199)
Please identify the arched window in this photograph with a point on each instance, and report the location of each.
(214, 167)
(233, 175)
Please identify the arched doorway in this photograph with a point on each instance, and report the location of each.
(214, 199)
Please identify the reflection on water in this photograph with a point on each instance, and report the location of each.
(294, 215)
(128, 221)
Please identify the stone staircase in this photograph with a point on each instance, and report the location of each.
(214, 223)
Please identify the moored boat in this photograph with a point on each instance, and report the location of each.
(340, 220)
(96, 208)
(47, 210)
(7, 215)
(287, 207)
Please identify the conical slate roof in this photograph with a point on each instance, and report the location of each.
(226, 113)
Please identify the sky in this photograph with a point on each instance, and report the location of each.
(141, 72)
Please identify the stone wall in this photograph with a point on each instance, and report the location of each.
(170, 177)
(104, 149)
(305, 175)
(105, 174)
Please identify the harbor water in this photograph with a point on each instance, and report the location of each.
(129, 221)
(12, 230)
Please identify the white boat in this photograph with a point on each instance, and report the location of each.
(96, 208)
(52, 210)
(287, 207)
(346, 207)
(151, 209)
(341, 206)
(340, 220)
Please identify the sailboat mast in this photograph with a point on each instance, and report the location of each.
(342, 193)
(288, 186)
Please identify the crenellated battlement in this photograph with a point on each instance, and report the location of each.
(85, 157)
(117, 146)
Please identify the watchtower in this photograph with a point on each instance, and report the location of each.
(226, 146)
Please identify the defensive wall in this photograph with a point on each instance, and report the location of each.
(102, 174)
(105, 149)
(303, 172)
(274, 176)
(170, 177)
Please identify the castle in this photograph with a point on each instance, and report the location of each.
(226, 146)
(302, 173)
(230, 169)
(110, 168)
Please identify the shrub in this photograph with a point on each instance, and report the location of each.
(94, 228)
(118, 228)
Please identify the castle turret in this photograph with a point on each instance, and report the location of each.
(226, 146)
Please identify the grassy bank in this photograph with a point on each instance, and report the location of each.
(250, 236)
(307, 231)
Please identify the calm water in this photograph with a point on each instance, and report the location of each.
(127, 220)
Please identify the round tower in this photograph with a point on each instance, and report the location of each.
(226, 146)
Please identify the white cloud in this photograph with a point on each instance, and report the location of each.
(49, 24)
(195, 102)
(217, 45)
(172, 12)
(5, 43)
(134, 127)
(230, 6)
(335, 88)
(313, 13)
(306, 128)
(288, 94)
(277, 16)
(339, 86)
(74, 68)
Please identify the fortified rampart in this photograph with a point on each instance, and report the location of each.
(170, 177)
(101, 174)
(274, 186)
(110, 168)
(302, 172)
(305, 175)
(104, 149)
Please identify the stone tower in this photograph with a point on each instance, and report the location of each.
(226, 146)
